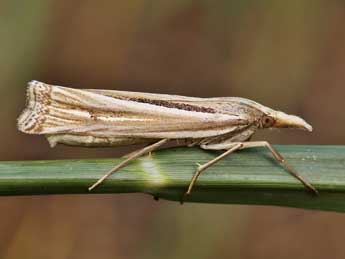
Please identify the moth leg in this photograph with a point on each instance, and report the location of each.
(201, 168)
(163, 148)
(135, 155)
(281, 160)
(132, 153)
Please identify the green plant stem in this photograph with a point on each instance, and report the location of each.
(246, 177)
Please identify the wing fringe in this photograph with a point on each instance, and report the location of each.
(34, 115)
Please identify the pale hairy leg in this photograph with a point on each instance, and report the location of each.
(201, 168)
(281, 160)
(233, 146)
(133, 156)
(178, 144)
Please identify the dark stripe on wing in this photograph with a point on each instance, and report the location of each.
(176, 105)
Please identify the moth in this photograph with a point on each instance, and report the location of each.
(90, 117)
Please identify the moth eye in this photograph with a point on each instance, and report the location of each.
(267, 121)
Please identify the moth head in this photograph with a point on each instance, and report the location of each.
(264, 117)
(278, 119)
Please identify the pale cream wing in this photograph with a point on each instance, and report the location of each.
(60, 110)
(239, 107)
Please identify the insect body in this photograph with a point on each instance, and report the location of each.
(112, 118)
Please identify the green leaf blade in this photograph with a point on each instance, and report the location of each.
(245, 177)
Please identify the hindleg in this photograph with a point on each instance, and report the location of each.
(135, 155)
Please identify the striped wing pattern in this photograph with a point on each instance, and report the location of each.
(55, 110)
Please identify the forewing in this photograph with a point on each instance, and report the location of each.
(105, 113)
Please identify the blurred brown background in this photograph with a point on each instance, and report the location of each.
(288, 55)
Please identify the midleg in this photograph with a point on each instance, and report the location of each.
(133, 156)
(233, 147)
